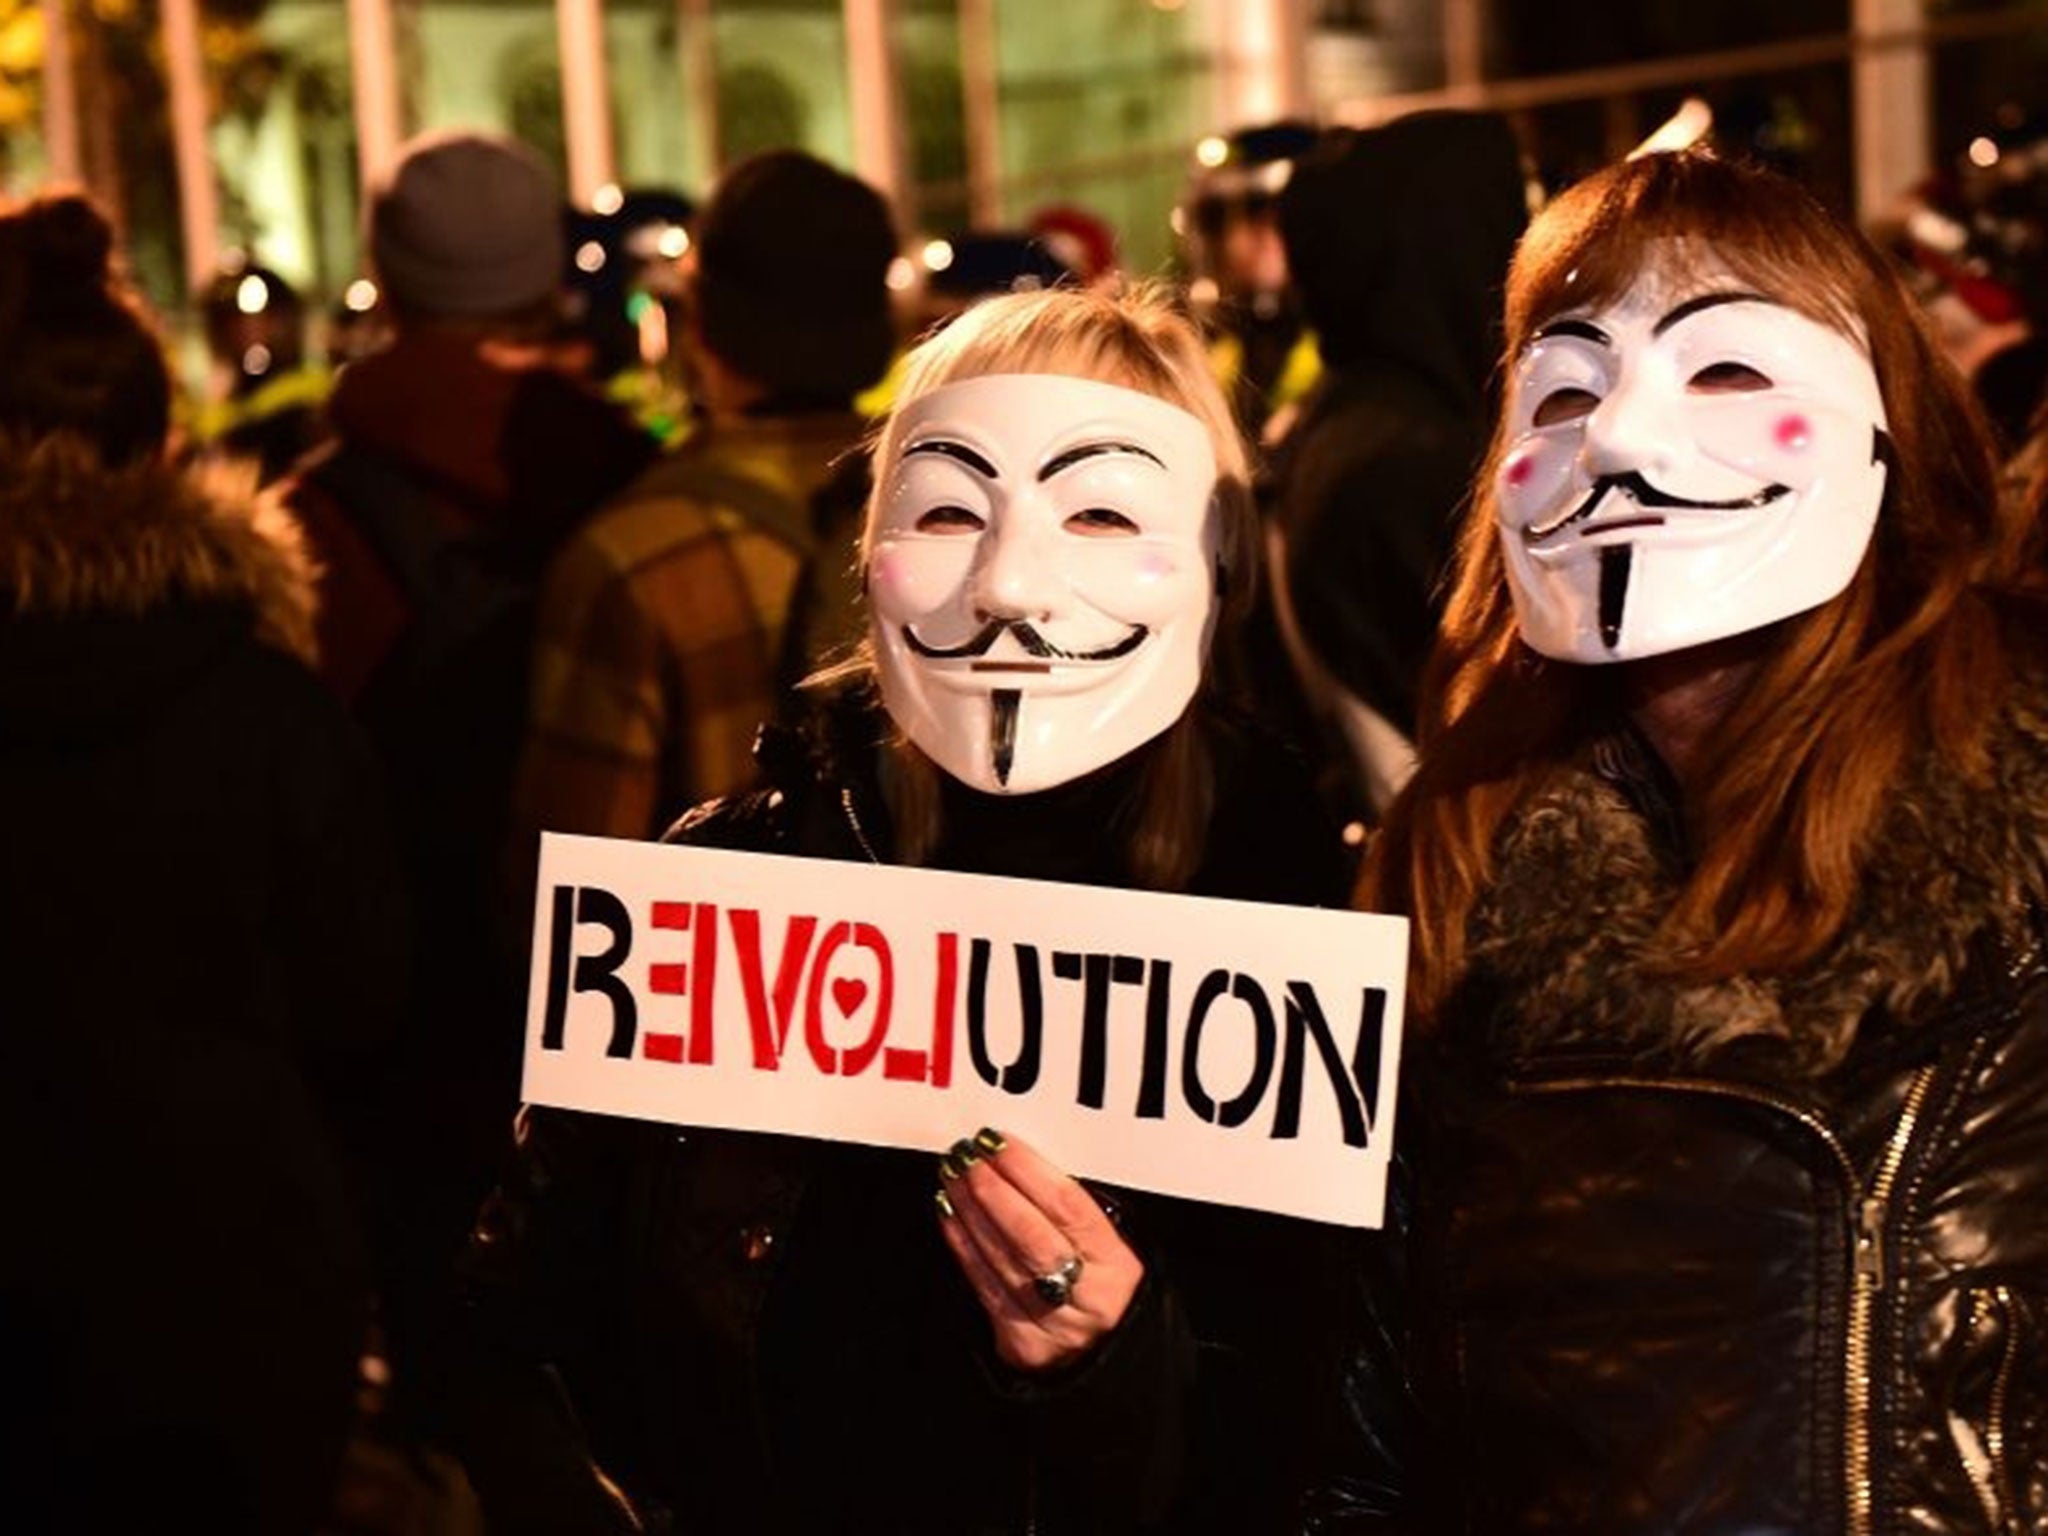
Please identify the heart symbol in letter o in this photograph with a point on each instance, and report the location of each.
(849, 993)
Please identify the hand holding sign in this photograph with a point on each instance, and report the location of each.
(1012, 1219)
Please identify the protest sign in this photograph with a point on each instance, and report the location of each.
(1220, 1050)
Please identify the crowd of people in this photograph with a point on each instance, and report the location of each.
(1630, 591)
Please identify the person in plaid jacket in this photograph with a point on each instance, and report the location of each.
(660, 630)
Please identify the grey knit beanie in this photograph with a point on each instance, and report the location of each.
(467, 224)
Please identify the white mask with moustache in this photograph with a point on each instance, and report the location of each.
(1690, 462)
(1041, 575)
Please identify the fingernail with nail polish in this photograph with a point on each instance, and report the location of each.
(966, 1151)
(950, 1167)
(990, 1141)
(945, 1205)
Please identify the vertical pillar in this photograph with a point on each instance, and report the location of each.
(586, 98)
(878, 147)
(699, 47)
(1464, 48)
(981, 108)
(373, 82)
(198, 198)
(1891, 101)
(1263, 61)
(61, 147)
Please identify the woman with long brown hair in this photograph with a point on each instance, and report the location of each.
(1727, 861)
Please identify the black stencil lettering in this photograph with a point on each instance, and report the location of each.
(1152, 1085)
(1021, 1075)
(592, 973)
(1247, 991)
(1305, 1019)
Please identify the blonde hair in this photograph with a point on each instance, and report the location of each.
(1139, 341)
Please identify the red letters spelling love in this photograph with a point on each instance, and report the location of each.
(788, 977)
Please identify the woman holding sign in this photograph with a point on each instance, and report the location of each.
(767, 1334)
(1728, 860)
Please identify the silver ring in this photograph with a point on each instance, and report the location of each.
(1057, 1288)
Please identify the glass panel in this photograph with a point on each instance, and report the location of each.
(492, 64)
(283, 138)
(1104, 110)
(782, 78)
(1990, 87)
(1524, 39)
(935, 115)
(654, 119)
(1359, 49)
(1796, 120)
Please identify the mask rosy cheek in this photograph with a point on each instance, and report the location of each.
(914, 582)
(1519, 469)
(1793, 433)
(1156, 567)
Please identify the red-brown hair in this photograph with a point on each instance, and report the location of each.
(1785, 804)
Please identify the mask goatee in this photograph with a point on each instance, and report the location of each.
(1614, 564)
(1002, 730)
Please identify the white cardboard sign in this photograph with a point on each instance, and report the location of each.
(1226, 1051)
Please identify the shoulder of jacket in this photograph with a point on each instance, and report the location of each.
(751, 821)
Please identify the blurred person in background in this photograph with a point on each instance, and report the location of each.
(1262, 350)
(270, 397)
(469, 424)
(465, 453)
(1082, 242)
(625, 285)
(358, 324)
(1399, 239)
(201, 944)
(1976, 239)
(661, 627)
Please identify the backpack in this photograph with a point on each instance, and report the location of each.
(446, 708)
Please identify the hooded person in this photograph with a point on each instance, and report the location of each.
(1060, 528)
(1728, 864)
(201, 958)
(1398, 238)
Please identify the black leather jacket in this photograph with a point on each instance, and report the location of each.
(765, 1334)
(1721, 1292)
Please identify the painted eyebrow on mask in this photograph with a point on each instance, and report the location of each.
(1585, 330)
(1693, 306)
(1069, 458)
(946, 448)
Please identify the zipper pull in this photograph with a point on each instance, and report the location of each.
(1870, 1241)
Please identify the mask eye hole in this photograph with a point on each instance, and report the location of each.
(1727, 379)
(955, 520)
(1101, 522)
(1564, 405)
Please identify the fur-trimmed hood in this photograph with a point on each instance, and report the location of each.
(78, 537)
(1582, 883)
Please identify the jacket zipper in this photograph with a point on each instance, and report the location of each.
(1995, 1490)
(1875, 1212)
(1872, 1216)
(853, 820)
